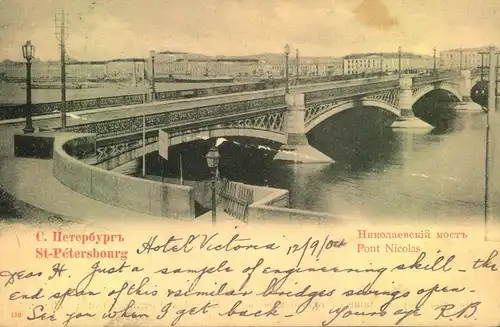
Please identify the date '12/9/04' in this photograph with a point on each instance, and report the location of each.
(314, 247)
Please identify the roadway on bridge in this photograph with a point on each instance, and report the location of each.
(53, 121)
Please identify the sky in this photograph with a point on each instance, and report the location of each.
(105, 29)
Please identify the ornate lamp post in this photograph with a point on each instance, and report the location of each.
(213, 163)
(28, 54)
(461, 58)
(400, 50)
(297, 62)
(381, 64)
(287, 52)
(435, 66)
(152, 54)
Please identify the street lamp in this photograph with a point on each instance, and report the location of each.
(212, 158)
(28, 54)
(435, 68)
(400, 50)
(381, 64)
(287, 52)
(297, 60)
(461, 57)
(152, 54)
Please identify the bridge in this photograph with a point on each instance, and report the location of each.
(266, 114)
(102, 139)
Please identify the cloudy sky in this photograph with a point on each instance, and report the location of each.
(103, 29)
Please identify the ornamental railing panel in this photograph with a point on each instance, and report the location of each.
(391, 97)
(434, 78)
(346, 91)
(315, 111)
(209, 91)
(39, 109)
(128, 125)
(106, 152)
(270, 122)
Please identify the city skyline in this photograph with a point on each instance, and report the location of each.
(103, 29)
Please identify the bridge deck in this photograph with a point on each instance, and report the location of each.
(53, 121)
(314, 91)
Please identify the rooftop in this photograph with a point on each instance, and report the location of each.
(172, 52)
(387, 55)
(221, 60)
(476, 49)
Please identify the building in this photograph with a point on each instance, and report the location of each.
(386, 63)
(307, 66)
(46, 70)
(124, 69)
(464, 58)
(85, 70)
(169, 64)
(198, 68)
(329, 66)
(172, 63)
(13, 69)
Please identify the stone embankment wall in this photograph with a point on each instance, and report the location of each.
(150, 197)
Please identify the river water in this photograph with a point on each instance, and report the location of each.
(399, 174)
(13, 93)
(380, 173)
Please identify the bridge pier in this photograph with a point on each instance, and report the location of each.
(405, 98)
(297, 148)
(465, 85)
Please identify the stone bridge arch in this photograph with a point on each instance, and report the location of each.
(317, 114)
(418, 93)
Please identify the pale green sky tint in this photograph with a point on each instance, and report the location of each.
(102, 29)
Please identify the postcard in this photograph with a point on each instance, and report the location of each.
(249, 163)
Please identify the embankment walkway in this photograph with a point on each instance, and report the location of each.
(32, 181)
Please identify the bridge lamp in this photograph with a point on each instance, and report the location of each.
(297, 64)
(287, 52)
(152, 54)
(28, 54)
(435, 67)
(400, 50)
(212, 158)
(381, 64)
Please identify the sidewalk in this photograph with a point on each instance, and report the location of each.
(32, 181)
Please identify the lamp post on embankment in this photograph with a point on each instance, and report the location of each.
(28, 54)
